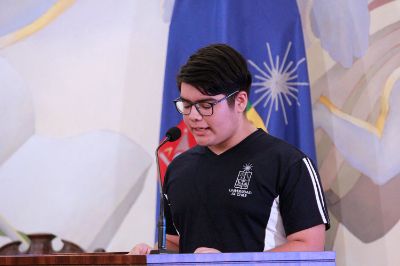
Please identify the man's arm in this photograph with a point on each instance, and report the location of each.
(311, 239)
(173, 243)
(144, 249)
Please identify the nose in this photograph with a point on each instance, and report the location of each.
(194, 114)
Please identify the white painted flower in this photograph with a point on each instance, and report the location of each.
(342, 27)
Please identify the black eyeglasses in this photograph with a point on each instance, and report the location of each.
(205, 108)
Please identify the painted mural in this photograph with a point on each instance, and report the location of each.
(80, 95)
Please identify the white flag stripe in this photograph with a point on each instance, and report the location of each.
(321, 211)
(316, 180)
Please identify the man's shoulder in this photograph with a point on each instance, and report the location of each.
(272, 146)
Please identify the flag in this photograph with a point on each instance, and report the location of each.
(269, 35)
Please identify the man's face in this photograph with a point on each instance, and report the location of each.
(215, 130)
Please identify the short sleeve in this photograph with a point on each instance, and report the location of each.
(302, 201)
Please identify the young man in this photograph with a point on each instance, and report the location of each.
(239, 189)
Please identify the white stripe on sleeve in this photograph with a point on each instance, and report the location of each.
(317, 189)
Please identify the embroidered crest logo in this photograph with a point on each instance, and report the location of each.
(242, 182)
(243, 178)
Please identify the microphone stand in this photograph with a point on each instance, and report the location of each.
(172, 134)
(161, 229)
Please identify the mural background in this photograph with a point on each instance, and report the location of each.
(80, 104)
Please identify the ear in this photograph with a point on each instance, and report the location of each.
(241, 101)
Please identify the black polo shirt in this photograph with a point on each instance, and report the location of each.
(244, 199)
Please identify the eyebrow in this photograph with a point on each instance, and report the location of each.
(200, 101)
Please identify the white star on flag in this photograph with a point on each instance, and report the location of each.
(277, 82)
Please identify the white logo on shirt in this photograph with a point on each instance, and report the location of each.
(242, 182)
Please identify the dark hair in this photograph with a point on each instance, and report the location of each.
(216, 69)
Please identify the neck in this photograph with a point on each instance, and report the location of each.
(245, 129)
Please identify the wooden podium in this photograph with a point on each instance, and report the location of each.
(254, 258)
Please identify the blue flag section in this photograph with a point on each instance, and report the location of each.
(269, 35)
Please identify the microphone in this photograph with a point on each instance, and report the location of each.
(172, 135)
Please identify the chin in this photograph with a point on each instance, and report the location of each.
(202, 141)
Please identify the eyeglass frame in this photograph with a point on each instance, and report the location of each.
(195, 104)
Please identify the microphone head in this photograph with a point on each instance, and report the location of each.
(173, 134)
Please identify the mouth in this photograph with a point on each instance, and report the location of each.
(200, 130)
